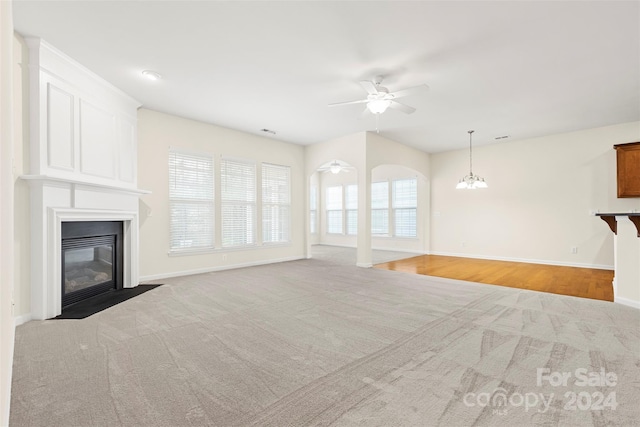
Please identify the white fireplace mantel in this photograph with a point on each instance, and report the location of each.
(56, 201)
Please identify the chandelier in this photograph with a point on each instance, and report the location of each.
(471, 181)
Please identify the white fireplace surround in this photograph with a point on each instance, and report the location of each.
(55, 201)
(50, 294)
(83, 166)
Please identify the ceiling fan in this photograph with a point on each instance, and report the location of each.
(335, 167)
(379, 98)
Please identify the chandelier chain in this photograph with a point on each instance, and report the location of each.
(470, 155)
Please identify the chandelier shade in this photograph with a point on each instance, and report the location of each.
(471, 181)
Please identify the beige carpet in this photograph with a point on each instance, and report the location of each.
(317, 342)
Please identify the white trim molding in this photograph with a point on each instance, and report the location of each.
(219, 268)
(626, 301)
(21, 320)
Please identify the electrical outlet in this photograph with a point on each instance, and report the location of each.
(463, 244)
(224, 257)
(574, 249)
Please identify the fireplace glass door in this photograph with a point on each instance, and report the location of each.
(89, 266)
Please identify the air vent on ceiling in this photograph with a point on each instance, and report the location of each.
(272, 132)
(502, 137)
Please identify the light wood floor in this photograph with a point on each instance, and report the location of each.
(579, 282)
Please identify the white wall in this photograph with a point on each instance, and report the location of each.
(156, 133)
(6, 212)
(537, 207)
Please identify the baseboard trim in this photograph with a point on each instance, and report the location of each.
(21, 320)
(376, 248)
(409, 251)
(218, 268)
(364, 265)
(628, 302)
(527, 260)
(337, 245)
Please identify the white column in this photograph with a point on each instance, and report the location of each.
(627, 263)
(364, 256)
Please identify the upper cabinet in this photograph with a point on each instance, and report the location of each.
(628, 165)
(83, 128)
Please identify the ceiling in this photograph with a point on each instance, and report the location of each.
(523, 69)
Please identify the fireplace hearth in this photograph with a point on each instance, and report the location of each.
(92, 257)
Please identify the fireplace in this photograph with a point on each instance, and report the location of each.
(92, 259)
(46, 252)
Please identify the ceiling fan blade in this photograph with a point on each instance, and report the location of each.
(365, 113)
(409, 91)
(402, 107)
(369, 87)
(360, 101)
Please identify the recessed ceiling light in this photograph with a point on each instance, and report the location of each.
(151, 75)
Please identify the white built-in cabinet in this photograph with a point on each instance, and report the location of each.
(82, 128)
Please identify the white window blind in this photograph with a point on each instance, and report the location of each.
(405, 203)
(276, 203)
(191, 201)
(333, 206)
(380, 207)
(238, 199)
(351, 206)
(313, 209)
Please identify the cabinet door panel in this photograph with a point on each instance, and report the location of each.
(628, 165)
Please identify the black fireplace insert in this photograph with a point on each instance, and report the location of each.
(92, 256)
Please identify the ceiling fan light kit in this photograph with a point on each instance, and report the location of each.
(151, 75)
(379, 99)
(335, 168)
(378, 106)
(471, 181)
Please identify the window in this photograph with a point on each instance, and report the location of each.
(191, 203)
(405, 203)
(334, 210)
(351, 206)
(380, 208)
(276, 203)
(238, 198)
(313, 209)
